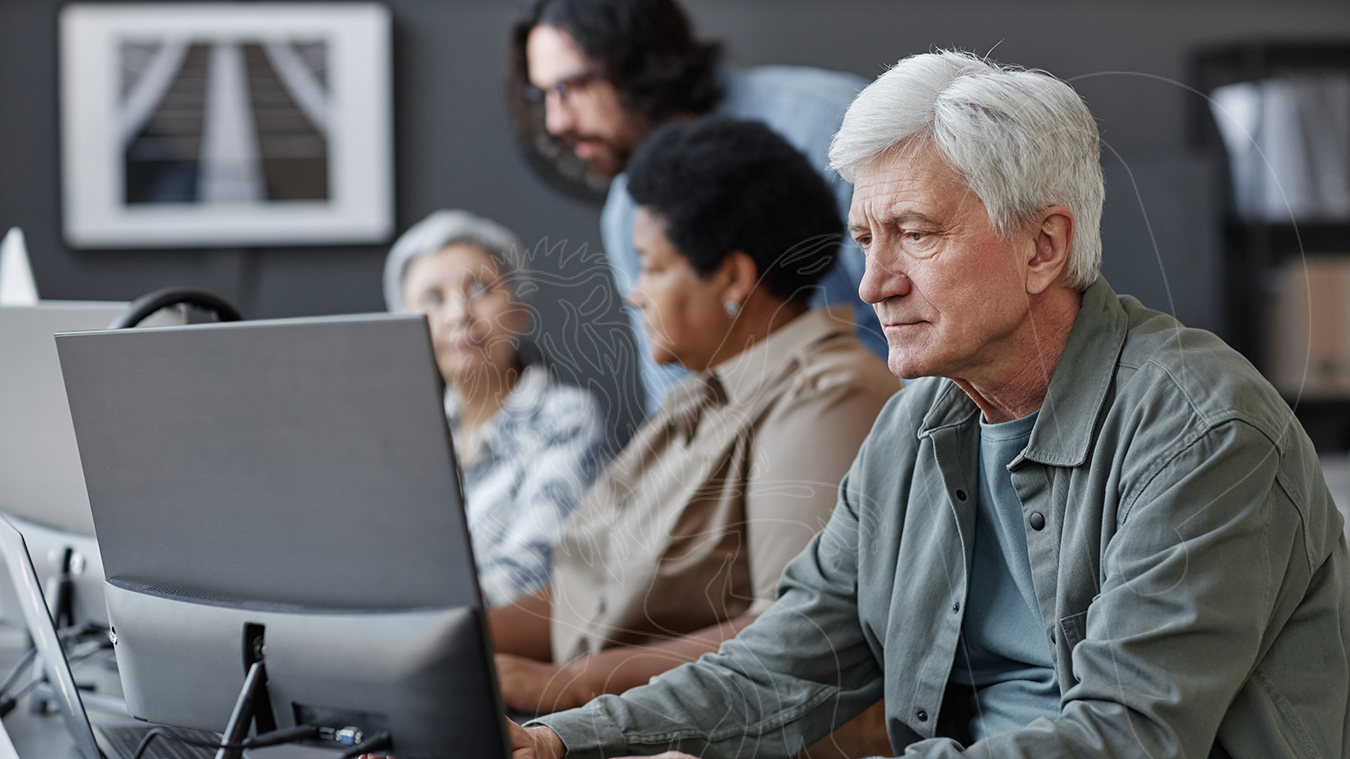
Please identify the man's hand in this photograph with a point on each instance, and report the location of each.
(536, 687)
(536, 742)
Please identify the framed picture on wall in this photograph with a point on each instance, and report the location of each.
(223, 124)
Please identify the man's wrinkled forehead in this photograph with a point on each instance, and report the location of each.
(907, 170)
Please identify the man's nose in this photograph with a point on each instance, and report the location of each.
(883, 278)
(558, 117)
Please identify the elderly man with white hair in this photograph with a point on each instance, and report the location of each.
(1088, 531)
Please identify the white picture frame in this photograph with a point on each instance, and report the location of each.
(156, 121)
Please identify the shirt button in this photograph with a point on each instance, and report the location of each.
(922, 715)
(956, 607)
(960, 495)
(1037, 521)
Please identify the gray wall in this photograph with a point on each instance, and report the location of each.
(1128, 58)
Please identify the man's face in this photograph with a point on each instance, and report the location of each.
(581, 107)
(949, 292)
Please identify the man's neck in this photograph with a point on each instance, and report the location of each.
(1017, 386)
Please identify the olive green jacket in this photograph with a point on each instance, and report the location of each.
(1188, 560)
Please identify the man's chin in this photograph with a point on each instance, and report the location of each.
(605, 168)
(600, 160)
(902, 368)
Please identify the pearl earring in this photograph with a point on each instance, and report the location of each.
(732, 307)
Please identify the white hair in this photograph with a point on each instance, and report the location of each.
(1022, 141)
(443, 228)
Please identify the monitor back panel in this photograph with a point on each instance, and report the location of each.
(299, 461)
(40, 477)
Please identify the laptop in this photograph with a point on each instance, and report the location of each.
(92, 742)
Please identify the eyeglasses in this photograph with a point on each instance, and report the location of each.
(564, 89)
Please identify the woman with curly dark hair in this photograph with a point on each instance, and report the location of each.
(680, 542)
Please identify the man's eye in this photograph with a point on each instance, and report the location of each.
(914, 235)
(476, 290)
(431, 299)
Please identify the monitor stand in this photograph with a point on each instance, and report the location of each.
(254, 706)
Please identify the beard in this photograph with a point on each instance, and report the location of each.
(602, 157)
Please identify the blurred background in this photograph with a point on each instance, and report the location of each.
(1174, 235)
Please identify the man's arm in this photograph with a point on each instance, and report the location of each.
(536, 742)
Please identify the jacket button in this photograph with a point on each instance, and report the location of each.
(1037, 521)
(956, 607)
(960, 495)
(922, 715)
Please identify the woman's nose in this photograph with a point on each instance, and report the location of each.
(455, 310)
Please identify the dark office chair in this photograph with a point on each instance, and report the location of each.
(172, 296)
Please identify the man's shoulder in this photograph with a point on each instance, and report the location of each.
(1146, 370)
(805, 78)
(765, 92)
(1163, 360)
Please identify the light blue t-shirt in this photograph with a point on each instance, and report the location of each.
(1003, 652)
(806, 107)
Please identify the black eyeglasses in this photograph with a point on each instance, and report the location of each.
(563, 89)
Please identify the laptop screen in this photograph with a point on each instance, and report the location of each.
(50, 653)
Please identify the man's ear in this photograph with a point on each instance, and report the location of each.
(1051, 235)
(739, 276)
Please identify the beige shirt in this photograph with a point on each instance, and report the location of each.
(692, 523)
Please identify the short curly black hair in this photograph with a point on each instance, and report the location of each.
(724, 185)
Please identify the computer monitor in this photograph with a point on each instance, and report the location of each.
(41, 483)
(286, 491)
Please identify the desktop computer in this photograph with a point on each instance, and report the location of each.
(280, 517)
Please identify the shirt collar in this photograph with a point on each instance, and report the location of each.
(1082, 380)
(744, 375)
(1078, 389)
(529, 388)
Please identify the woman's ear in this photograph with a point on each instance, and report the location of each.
(739, 276)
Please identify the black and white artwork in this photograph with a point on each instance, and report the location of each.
(208, 125)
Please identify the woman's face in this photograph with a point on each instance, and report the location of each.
(474, 321)
(684, 315)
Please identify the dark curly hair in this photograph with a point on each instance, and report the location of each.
(724, 185)
(645, 47)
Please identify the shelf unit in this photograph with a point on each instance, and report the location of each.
(1253, 251)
